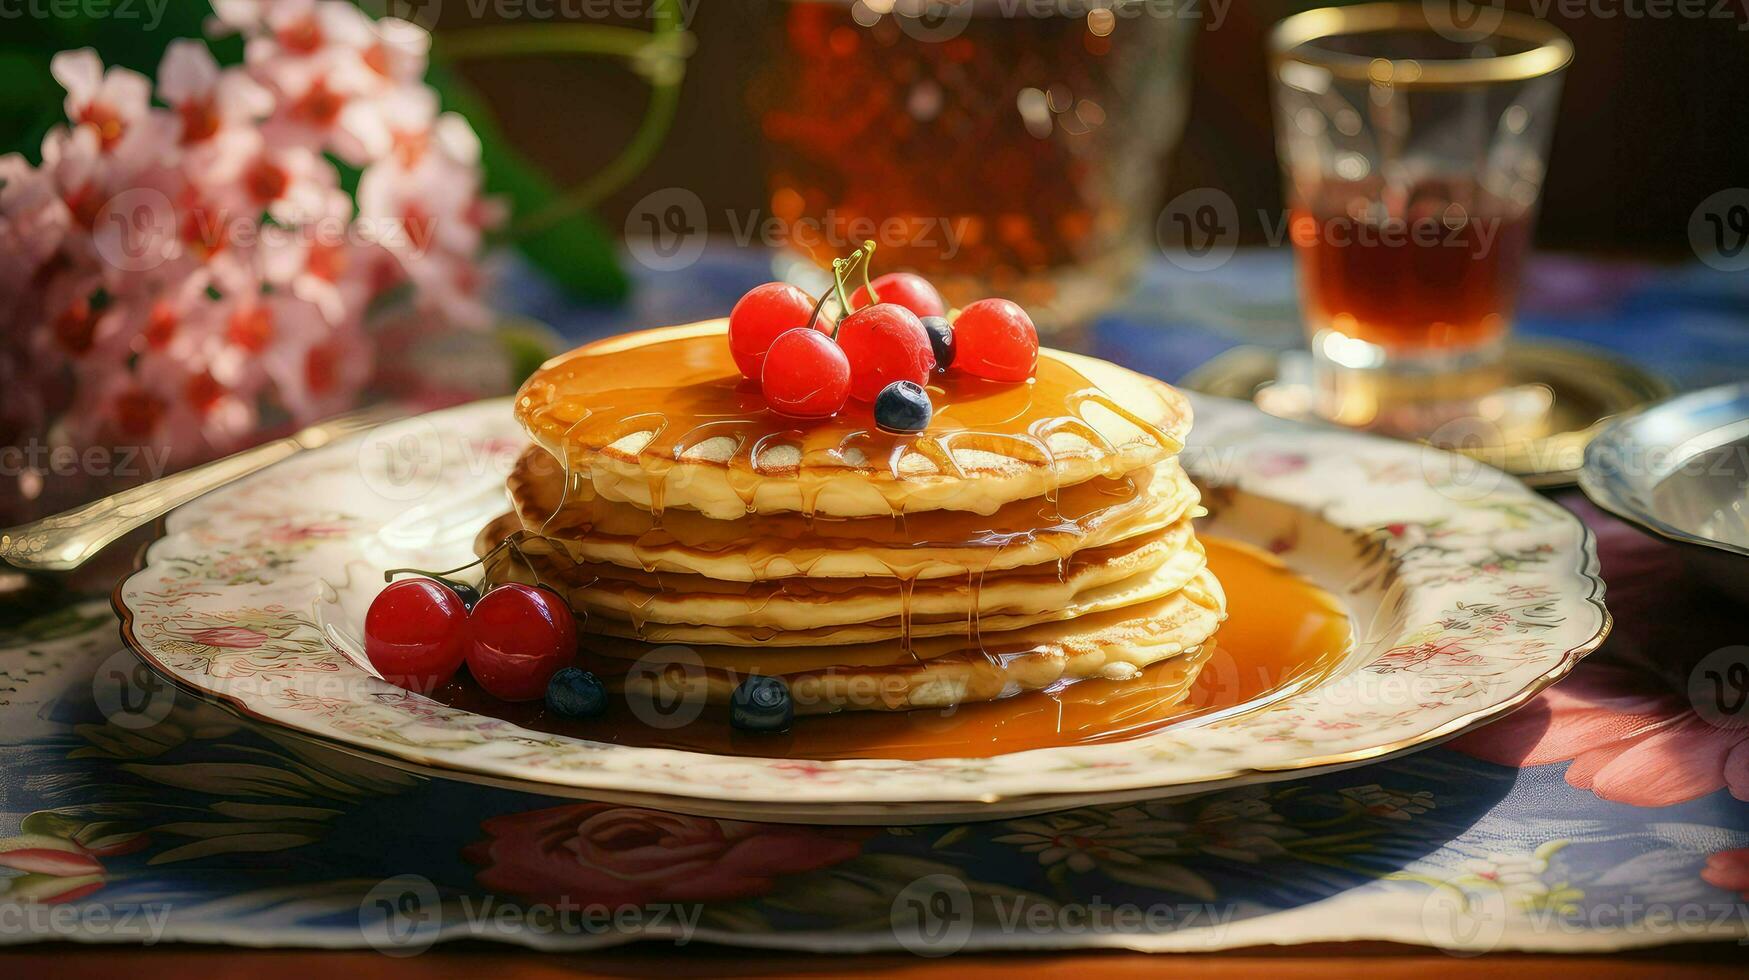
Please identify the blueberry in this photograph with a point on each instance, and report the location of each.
(575, 693)
(902, 406)
(762, 704)
(940, 340)
(467, 593)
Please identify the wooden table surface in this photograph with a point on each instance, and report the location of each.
(466, 961)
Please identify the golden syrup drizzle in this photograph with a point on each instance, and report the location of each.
(686, 390)
(1101, 506)
(684, 397)
(1282, 634)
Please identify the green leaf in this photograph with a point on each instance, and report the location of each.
(527, 345)
(1160, 875)
(243, 843)
(737, 918)
(231, 779)
(208, 831)
(270, 811)
(951, 837)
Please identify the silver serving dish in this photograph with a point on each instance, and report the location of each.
(1680, 470)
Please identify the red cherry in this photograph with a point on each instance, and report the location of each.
(416, 634)
(522, 636)
(806, 375)
(885, 343)
(995, 339)
(759, 316)
(906, 289)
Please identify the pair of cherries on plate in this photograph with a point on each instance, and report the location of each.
(514, 639)
(893, 337)
(518, 643)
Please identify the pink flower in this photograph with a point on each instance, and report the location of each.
(624, 856)
(398, 52)
(328, 108)
(185, 330)
(290, 183)
(1273, 463)
(71, 317)
(33, 221)
(42, 854)
(319, 262)
(287, 533)
(214, 108)
(1410, 657)
(283, 339)
(128, 411)
(115, 106)
(1729, 870)
(327, 374)
(1629, 738)
(229, 637)
(72, 162)
(432, 219)
(59, 858)
(285, 32)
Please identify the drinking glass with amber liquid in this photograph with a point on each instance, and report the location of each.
(1413, 140)
(997, 148)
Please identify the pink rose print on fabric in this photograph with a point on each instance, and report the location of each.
(1729, 870)
(596, 853)
(1623, 718)
(1628, 740)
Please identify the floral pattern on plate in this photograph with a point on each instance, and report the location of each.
(1471, 593)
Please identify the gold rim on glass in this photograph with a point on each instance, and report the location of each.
(1296, 38)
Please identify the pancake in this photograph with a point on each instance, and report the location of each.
(931, 673)
(661, 419)
(686, 608)
(931, 544)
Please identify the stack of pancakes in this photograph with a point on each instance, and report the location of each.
(1035, 535)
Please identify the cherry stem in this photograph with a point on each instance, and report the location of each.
(389, 575)
(868, 246)
(821, 305)
(839, 268)
(444, 576)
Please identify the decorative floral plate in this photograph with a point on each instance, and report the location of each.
(1470, 593)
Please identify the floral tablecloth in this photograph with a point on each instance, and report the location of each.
(1612, 812)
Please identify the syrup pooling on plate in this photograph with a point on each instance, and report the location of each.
(682, 401)
(1282, 634)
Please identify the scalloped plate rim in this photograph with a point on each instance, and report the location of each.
(963, 801)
